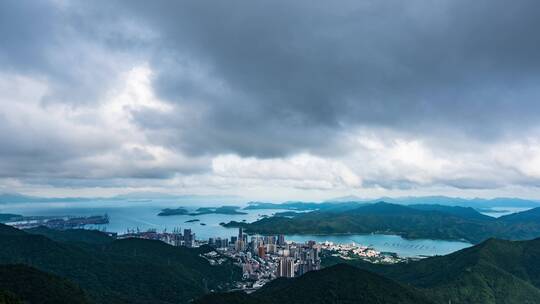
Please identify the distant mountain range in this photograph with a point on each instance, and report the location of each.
(447, 201)
(6, 198)
(439, 200)
(410, 221)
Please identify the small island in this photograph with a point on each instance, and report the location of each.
(285, 214)
(218, 210)
(234, 224)
(170, 212)
(201, 211)
(192, 221)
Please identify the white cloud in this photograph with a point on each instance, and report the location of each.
(304, 171)
(521, 156)
(89, 141)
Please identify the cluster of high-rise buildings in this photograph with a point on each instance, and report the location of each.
(264, 258)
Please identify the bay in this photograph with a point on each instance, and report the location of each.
(142, 215)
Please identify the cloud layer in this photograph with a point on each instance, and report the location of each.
(306, 96)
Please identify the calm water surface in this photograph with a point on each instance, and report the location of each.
(143, 215)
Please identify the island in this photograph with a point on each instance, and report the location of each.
(285, 214)
(170, 212)
(286, 206)
(53, 221)
(192, 221)
(218, 210)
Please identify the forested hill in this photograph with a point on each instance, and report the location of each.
(28, 285)
(116, 271)
(495, 271)
(414, 221)
(337, 284)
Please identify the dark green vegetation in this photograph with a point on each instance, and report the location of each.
(33, 286)
(7, 297)
(80, 236)
(414, 221)
(337, 284)
(201, 211)
(169, 211)
(287, 213)
(218, 210)
(495, 271)
(116, 271)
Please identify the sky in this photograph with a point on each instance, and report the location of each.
(275, 100)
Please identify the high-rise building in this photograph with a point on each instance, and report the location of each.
(253, 245)
(281, 240)
(285, 267)
(270, 239)
(262, 252)
(240, 233)
(189, 238)
(272, 248)
(240, 245)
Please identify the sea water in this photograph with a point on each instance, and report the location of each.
(142, 215)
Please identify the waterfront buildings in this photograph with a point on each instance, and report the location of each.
(265, 258)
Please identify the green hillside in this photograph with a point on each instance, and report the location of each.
(73, 235)
(337, 284)
(7, 297)
(495, 271)
(123, 271)
(33, 286)
(417, 221)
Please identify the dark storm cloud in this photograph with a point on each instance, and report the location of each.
(56, 41)
(292, 69)
(275, 78)
(293, 75)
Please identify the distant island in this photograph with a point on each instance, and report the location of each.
(201, 211)
(285, 214)
(286, 206)
(170, 212)
(52, 221)
(192, 221)
(218, 210)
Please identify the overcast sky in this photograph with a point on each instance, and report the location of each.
(275, 100)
